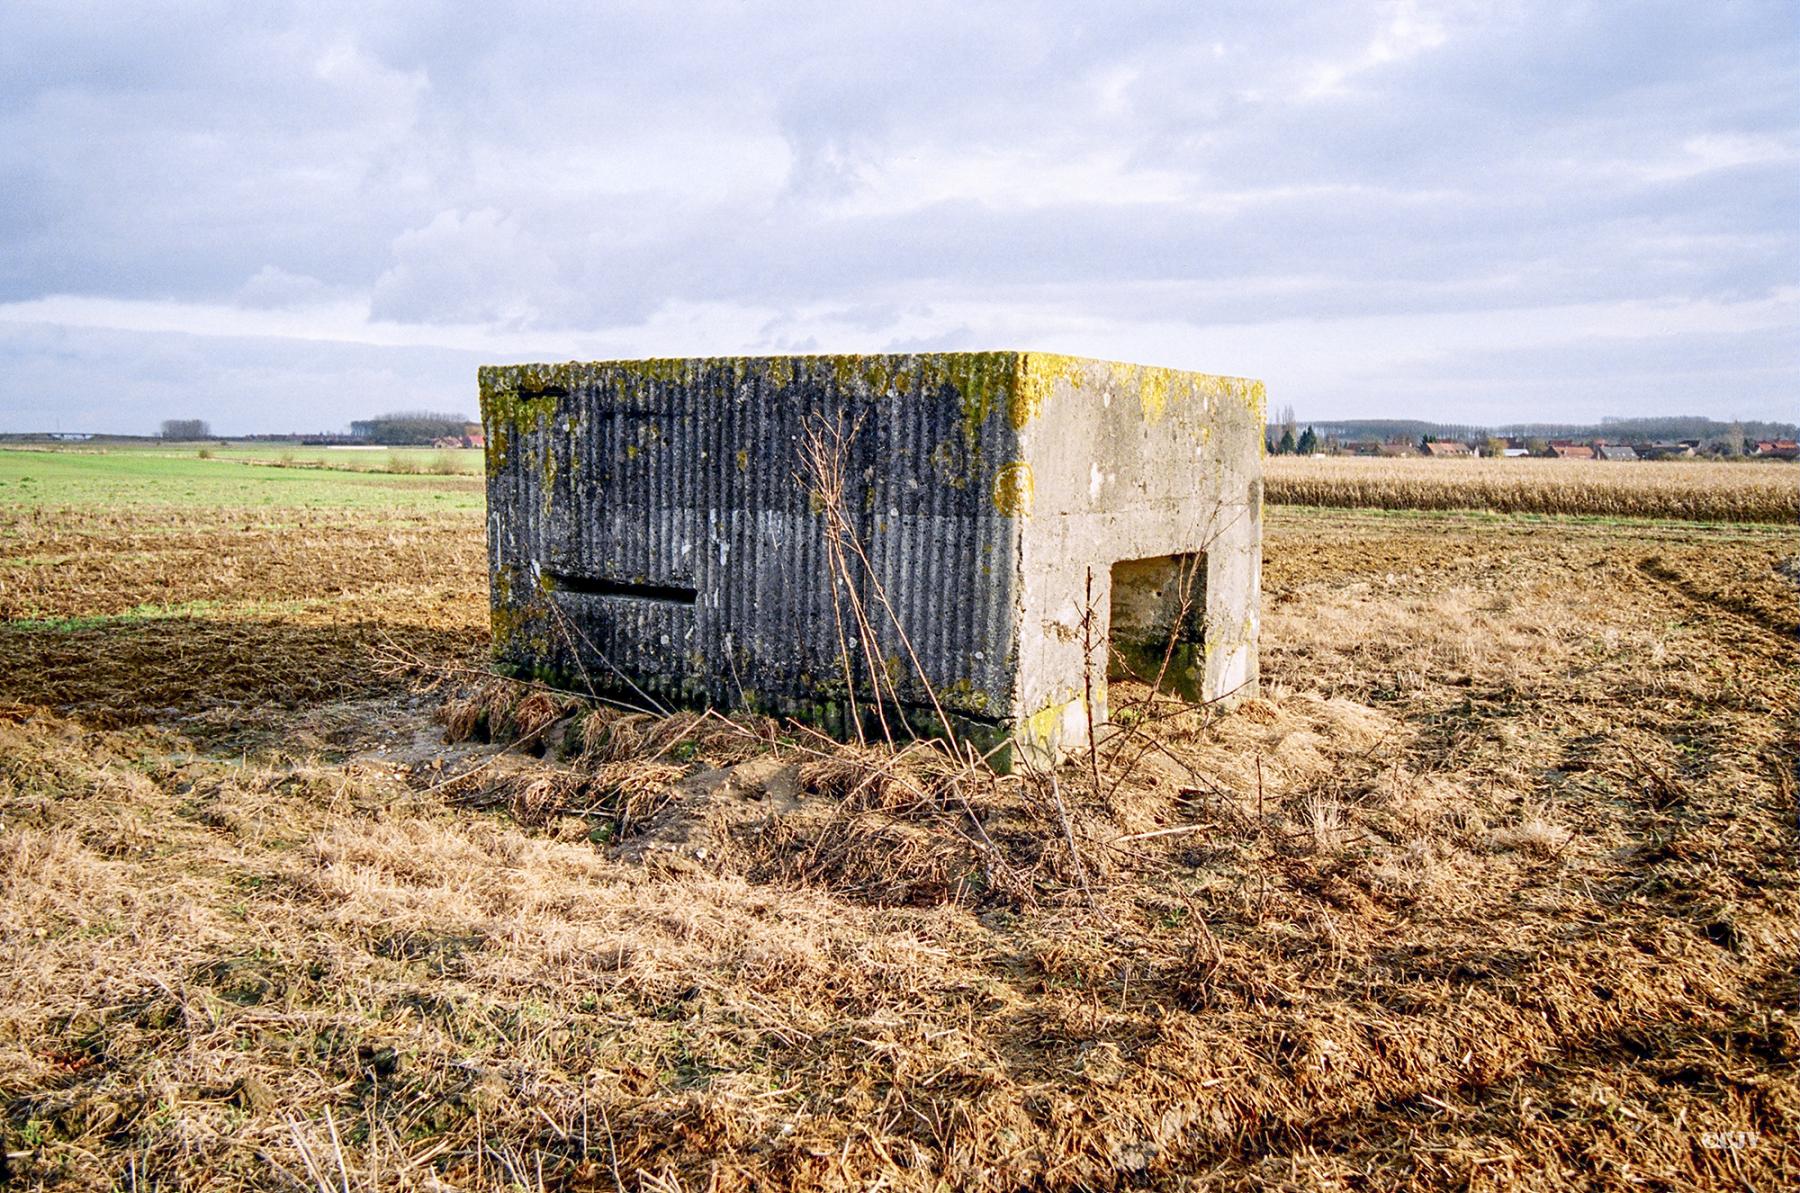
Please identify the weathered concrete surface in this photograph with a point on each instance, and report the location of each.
(651, 535)
(1138, 464)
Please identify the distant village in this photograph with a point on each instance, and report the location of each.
(1283, 441)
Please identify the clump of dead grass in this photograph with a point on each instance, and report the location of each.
(865, 778)
(608, 735)
(1535, 834)
(535, 712)
(468, 713)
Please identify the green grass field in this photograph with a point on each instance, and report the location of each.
(304, 478)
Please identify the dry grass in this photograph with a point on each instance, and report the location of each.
(1688, 489)
(155, 613)
(1496, 885)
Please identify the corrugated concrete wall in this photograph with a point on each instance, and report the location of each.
(651, 522)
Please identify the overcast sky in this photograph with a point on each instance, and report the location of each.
(284, 216)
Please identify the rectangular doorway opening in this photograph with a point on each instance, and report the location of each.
(1157, 623)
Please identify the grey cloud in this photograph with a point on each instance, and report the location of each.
(585, 169)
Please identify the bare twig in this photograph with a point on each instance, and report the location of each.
(1062, 815)
(1088, 617)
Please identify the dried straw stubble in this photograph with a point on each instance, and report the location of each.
(1335, 965)
(1700, 491)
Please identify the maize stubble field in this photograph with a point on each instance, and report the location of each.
(1496, 885)
(1694, 490)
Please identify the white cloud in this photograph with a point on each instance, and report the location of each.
(467, 267)
(273, 286)
(1410, 30)
(1716, 151)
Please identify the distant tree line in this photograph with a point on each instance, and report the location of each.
(186, 428)
(409, 427)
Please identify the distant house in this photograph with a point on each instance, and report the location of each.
(474, 439)
(1614, 451)
(1777, 449)
(1665, 449)
(1572, 451)
(1448, 448)
(1514, 453)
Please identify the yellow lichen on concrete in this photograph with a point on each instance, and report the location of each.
(1154, 387)
(1014, 488)
(1035, 382)
(657, 368)
(1042, 732)
(977, 402)
(1158, 389)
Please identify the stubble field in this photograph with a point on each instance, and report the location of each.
(1494, 886)
(1691, 490)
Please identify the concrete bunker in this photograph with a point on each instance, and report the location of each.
(652, 535)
